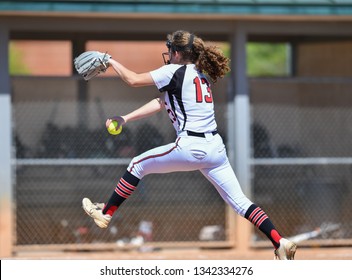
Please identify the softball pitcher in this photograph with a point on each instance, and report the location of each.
(187, 98)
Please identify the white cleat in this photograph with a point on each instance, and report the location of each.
(286, 251)
(95, 210)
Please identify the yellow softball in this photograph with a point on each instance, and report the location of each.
(113, 128)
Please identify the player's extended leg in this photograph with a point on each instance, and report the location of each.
(226, 183)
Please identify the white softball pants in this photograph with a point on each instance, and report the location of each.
(189, 153)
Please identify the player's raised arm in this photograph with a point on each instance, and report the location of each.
(131, 78)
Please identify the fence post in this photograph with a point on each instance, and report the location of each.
(6, 199)
(239, 126)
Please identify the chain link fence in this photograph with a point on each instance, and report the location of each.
(302, 158)
(301, 163)
(64, 153)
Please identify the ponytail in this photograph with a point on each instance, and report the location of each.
(209, 60)
(213, 62)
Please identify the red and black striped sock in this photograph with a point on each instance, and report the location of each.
(261, 220)
(125, 187)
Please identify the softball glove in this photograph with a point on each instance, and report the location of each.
(91, 63)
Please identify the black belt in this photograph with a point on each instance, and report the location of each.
(200, 134)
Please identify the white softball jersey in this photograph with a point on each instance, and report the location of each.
(188, 97)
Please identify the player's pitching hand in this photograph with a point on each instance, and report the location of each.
(120, 120)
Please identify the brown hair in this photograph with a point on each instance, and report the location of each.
(208, 59)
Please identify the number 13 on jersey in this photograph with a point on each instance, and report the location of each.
(200, 96)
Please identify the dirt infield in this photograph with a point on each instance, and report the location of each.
(329, 253)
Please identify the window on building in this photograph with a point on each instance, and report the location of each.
(268, 59)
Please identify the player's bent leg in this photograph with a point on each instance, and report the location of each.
(94, 210)
(163, 159)
(124, 189)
